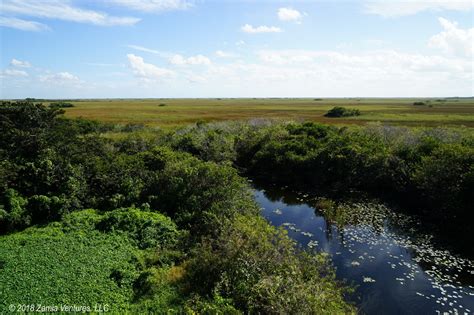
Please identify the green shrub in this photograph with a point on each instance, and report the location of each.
(149, 229)
(259, 268)
(212, 306)
(209, 142)
(61, 105)
(197, 194)
(339, 111)
(13, 212)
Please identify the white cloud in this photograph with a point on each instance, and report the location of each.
(147, 71)
(141, 48)
(239, 43)
(59, 78)
(453, 39)
(193, 78)
(23, 25)
(162, 54)
(247, 28)
(62, 10)
(225, 54)
(332, 73)
(14, 73)
(410, 7)
(289, 14)
(19, 63)
(377, 61)
(193, 60)
(153, 5)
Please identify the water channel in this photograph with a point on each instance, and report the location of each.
(394, 267)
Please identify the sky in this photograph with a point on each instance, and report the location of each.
(200, 48)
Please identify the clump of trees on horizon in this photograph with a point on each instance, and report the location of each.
(340, 111)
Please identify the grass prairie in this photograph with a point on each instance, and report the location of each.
(177, 112)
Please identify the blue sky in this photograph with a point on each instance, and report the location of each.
(186, 48)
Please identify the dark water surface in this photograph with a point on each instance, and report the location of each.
(396, 268)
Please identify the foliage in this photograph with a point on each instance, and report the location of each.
(75, 262)
(428, 170)
(148, 229)
(196, 194)
(260, 269)
(126, 253)
(208, 142)
(340, 111)
(61, 105)
(51, 168)
(48, 267)
(12, 212)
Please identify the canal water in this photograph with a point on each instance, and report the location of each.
(395, 268)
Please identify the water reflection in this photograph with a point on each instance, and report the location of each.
(396, 268)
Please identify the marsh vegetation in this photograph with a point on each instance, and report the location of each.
(159, 211)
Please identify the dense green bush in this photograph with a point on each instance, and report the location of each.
(208, 142)
(197, 194)
(260, 269)
(339, 111)
(427, 169)
(148, 229)
(13, 212)
(61, 105)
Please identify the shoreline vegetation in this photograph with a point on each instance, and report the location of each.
(164, 210)
(141, 227)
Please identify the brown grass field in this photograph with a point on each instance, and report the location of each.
(177, 112)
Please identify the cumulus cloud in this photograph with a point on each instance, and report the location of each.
(453, 39)
(372, 73)
(62, 10)
(14, 73)
(409, 7)
(289, 14)
(225, 54)
(147, 71)
(19, 63)
(23, 25)
(247, 28)
(59, 78)
(153, 5)
(379, 61)
(193, 60)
